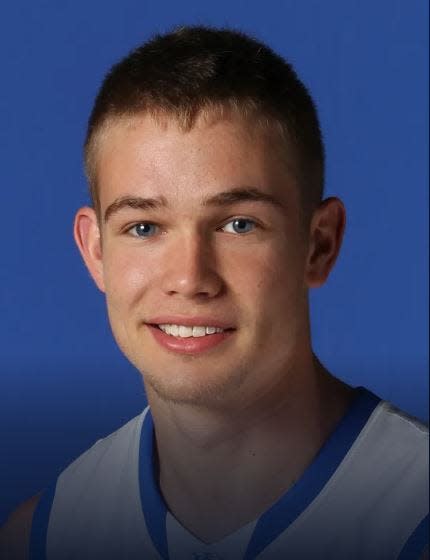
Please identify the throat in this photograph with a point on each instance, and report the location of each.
(186, 543)
(213, 511)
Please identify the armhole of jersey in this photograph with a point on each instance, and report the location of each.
(417, 542)
(39, 525)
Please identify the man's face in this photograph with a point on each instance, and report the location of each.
(231, 260)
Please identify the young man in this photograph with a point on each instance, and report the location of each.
(205, 164)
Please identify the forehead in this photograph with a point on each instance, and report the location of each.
(146, 156)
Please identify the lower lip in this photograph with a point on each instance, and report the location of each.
(190, 345)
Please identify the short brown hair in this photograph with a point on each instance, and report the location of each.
(193, 69)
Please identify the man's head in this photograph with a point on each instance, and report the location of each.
(199, 215)
(197, 70)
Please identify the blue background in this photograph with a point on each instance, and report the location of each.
(63, 381)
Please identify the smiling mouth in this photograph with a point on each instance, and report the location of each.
(183, 331)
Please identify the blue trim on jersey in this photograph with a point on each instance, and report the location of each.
(276, 520)
(39, 525)
(288, 508)
(153, 505)
(417, 542)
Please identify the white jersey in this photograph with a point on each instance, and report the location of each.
(364, 497)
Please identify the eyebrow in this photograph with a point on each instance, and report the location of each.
(225, 198)
(136, 202)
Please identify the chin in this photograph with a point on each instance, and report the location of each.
(187, 390)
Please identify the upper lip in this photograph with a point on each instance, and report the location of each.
(188, 321)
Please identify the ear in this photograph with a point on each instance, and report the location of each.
(88, 239)
(325, 239)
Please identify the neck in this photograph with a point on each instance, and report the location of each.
(220, 469)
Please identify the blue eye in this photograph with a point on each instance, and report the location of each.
(143, 229)
(241, 225)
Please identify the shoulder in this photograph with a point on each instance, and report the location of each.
(391, 453)
(406, 435)
(395, 451)
(107, 460)
(106, 454)
(103, 485)
(109, 451)
(15, 534)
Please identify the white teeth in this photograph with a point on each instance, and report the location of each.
(199, 331)
(186, 332)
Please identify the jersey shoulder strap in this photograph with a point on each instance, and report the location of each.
(374, 501)
(96, 510)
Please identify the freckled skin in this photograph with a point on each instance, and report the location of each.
(254, 280)
(193, 263)
(239, 422)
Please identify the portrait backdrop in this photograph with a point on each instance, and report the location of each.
(64, 383)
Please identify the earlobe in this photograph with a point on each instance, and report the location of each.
(326, 234)
(87, 237)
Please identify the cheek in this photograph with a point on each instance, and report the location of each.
(275, 285)
(125, 277)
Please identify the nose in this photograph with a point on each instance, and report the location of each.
(190, 268)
